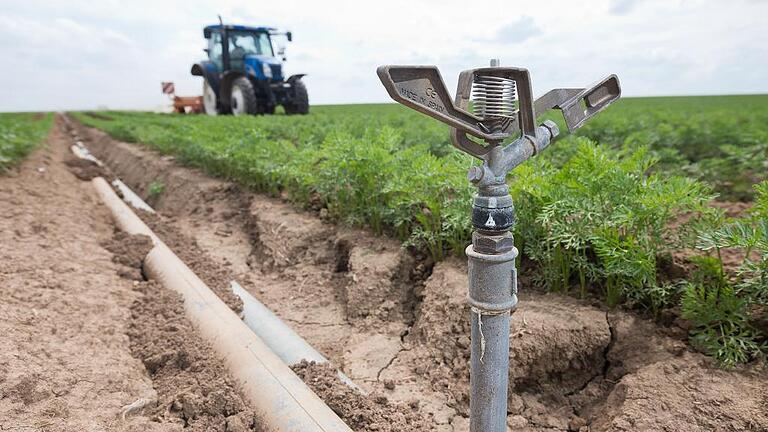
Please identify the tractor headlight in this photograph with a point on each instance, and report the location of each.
(267, 70)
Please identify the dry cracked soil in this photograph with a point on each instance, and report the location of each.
(88, 344)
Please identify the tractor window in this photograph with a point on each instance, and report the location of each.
(214, 49)
(244, 43)
(264, 45)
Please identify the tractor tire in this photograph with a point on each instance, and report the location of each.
(243, 98)
(300, 102)
(210, 102)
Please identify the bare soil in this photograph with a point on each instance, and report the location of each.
(194, 390)
(394, 323)
(88, 344)
(362, 413)
(65, 357)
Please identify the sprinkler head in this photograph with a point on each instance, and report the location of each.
(502, 99)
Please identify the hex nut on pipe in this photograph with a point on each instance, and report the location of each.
(493, 244)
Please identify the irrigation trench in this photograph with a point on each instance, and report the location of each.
(397, 325)
(257, 348)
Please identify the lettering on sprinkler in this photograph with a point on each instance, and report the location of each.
(503, 102)
(427, 98)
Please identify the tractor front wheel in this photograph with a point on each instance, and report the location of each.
(210, 104)
(300, 102)
(243, 97)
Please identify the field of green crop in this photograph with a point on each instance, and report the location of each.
(598, 213)
(722, 140)
(20, 133)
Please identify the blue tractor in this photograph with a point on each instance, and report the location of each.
(243, 76)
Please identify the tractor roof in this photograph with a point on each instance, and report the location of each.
(207, 30)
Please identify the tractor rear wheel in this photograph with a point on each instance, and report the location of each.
(300, 102)
(243, 97)
(210, 104)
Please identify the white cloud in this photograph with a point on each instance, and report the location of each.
(83, 54)
(518, 30)
(621, 7)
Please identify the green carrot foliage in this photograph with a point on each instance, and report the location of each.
(20, 133)
(598, 214)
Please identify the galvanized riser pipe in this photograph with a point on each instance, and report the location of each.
(489, 374)
(492, 299)
(492, 293)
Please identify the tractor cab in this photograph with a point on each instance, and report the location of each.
(247, 48)
(242, 75)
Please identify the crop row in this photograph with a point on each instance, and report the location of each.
(597, 220)
(20, 133)
(722, 140)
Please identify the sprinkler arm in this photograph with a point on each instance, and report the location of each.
(580, 105)
(422, 88)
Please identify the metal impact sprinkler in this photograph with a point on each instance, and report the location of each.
(502, 108)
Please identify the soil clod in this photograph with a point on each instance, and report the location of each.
(192, 386)
(369, 413)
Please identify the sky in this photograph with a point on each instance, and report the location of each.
(87, 54)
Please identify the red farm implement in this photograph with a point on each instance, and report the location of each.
(183, 104)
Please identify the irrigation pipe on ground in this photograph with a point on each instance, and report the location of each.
(279, 336)
(284, 403)
(81, 151)
(276, 334)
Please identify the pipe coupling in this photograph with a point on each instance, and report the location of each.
(492, 281)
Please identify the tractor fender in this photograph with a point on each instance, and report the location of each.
(293, 78)
(197, 70)
(208, 71)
